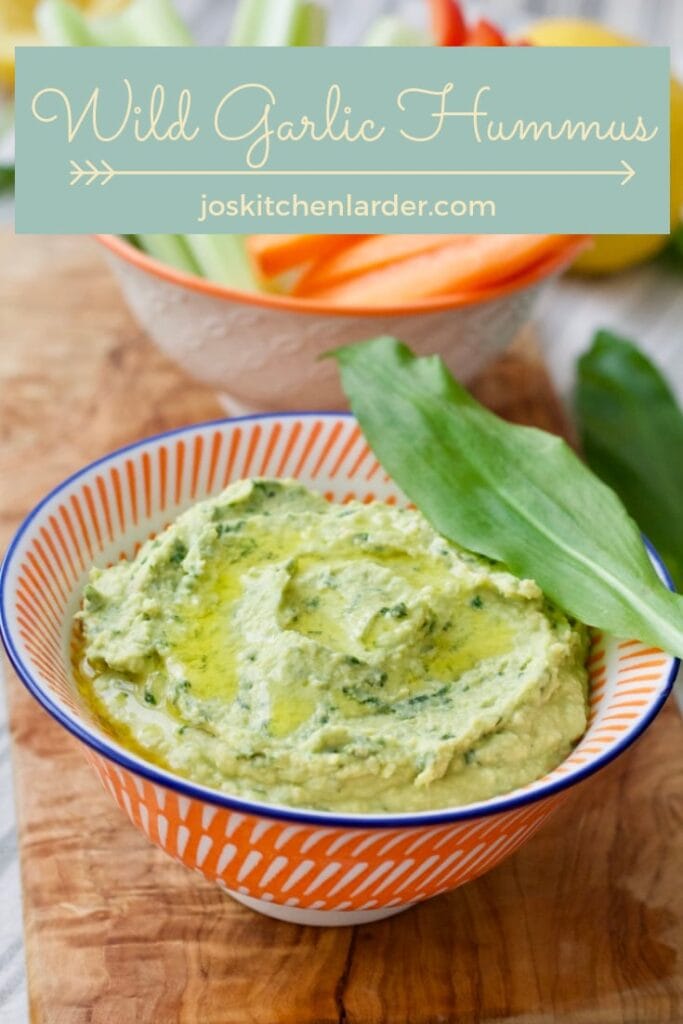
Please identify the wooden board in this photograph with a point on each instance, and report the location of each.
(583, 926)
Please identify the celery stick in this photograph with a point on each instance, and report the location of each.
(221, 258)
(61, 24)
(142, 23)
(247, 22)
(257, 23)
(391, 31)
(224, 259)
(6, 123)
(170, 249)
(312, 27)
(282, 23)
(278, 23)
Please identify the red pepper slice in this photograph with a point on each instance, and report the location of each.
(448, 23)
(484, 33)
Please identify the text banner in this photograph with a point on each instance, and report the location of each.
(442, 140)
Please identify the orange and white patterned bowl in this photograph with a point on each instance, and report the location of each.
(306, 866)
(260, 352)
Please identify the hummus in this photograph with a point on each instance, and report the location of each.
(340, 657)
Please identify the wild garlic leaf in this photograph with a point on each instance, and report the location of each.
(6, 179)
(672, 256)
(631, 429)
(515, 494)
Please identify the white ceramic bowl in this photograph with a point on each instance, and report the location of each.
(306, 866)
(261, 352)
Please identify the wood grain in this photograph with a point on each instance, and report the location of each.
(583, 926)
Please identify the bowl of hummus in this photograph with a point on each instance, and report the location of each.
(292, 684)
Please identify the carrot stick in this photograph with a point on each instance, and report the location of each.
(485, 260)
(369, 254)
(275, 254)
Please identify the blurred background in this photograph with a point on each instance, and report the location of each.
(658, 21)
(643, 302)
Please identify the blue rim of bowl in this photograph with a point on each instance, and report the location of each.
(184, 787)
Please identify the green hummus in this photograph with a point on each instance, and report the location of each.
(339, 657)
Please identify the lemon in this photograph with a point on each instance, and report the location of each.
(616, 252)
(17, 28)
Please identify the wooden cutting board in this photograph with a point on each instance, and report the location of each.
(583, 926)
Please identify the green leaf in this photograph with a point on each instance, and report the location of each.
(6, 179)
(515, 494)
(631, 429)
(673, 254)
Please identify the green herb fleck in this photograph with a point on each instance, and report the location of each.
(178, 552)
(399, 611)
(93, 598)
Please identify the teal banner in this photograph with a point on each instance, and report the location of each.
(351, 140)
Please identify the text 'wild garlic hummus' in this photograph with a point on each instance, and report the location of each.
(340, 657)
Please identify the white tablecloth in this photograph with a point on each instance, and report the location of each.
(646, 305)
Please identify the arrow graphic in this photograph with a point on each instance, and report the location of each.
(630, 173)
(89, 172)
